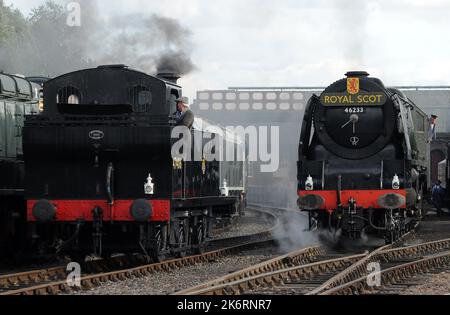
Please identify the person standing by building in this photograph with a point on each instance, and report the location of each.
(437, 196)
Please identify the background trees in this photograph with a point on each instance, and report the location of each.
(41, 44)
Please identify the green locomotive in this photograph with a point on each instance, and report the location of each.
(18, 97)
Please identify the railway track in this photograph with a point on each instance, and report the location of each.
(268, 273)
(312, 270)
(54, 280)
(397, 266)
(322, 273)
(337, 275)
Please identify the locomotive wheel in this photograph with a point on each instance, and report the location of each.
(181, 242)
(159, 248)
(199, 239)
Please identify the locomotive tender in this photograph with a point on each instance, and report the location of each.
(363, 159)
(100, 176)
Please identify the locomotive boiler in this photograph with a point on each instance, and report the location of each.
(363, 159)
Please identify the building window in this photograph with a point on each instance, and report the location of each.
(271, 106)
(298, 96)
(299, 106)
(244, 106)
(258, 106)
(285, 96)
(244, 96)
(271, 96)
(203, 96)
(231, 96)
(217, 106)
(258, 96)
(284, 106)
(217, 96)
(231, 106)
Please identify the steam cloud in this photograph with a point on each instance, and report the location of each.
(293, 233)
(352, 17)
(145, 42)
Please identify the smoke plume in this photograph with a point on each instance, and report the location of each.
(147, 42)
(352, 21)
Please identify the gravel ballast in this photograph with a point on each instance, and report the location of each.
(163, 283)
(247, 225)
(438, 284)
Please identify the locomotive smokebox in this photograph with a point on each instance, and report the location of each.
(168, 76)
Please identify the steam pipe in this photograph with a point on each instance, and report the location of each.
(339, 189)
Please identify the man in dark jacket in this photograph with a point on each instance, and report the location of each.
(184, 116)
(437, 195)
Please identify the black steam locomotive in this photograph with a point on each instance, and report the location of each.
(363, 159)
(101, 176)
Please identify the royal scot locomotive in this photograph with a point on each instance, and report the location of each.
(363, 159)
(101, 177)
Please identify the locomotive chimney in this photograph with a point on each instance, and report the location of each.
(357, 74)
(168, 76)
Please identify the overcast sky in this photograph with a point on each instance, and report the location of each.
(304, 43)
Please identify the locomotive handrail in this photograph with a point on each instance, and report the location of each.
(406, 130)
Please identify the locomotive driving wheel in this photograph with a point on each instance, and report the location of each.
(181, 237)
(159, 248)
(198, 238)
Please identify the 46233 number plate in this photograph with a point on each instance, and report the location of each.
(354, 110)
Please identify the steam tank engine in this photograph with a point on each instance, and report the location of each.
(100, 175)
(363, 159)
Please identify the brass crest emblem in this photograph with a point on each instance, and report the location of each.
(353, 86)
